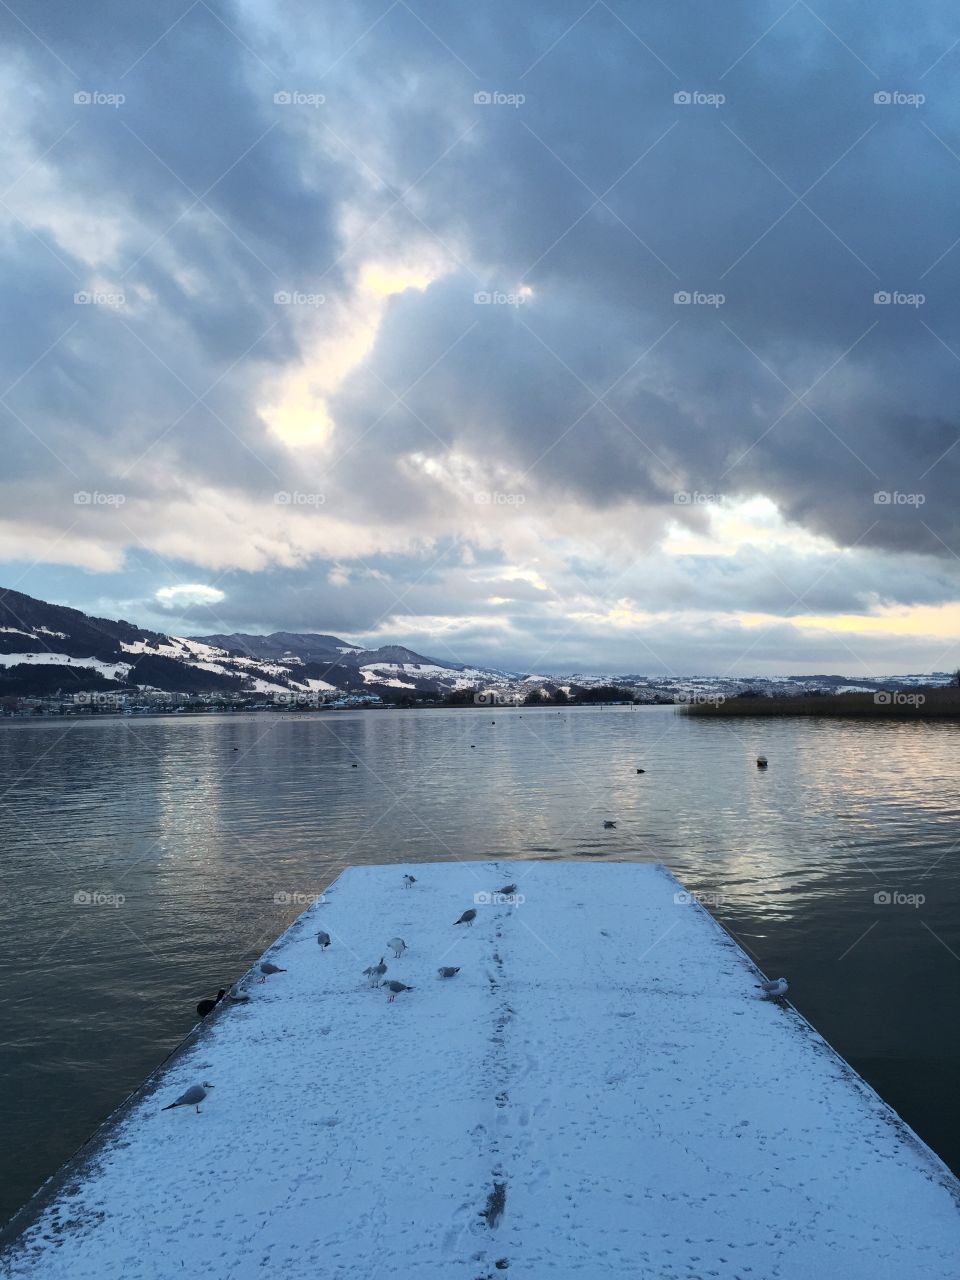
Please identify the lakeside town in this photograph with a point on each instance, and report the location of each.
(697, 693)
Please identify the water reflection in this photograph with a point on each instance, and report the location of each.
(203, 825)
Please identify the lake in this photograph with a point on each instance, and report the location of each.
(148, 861)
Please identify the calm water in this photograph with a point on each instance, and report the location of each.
(201, 822)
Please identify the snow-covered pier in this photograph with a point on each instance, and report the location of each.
(599, 1091)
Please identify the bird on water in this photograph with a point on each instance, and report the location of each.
(610, 825)
(468, 917)
(192, 1097)
(208, 1006)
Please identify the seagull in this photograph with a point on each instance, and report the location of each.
(776, 988)
(192, 1097)
(641, 771)
(468, 917)
(399, 947)
(375, 973)
(323, 939)
(608, 824)
(507, 890)
(448, 971)
(409, 881)
(761, 762)
(267, 968)
(208, 1006)
(395, 988)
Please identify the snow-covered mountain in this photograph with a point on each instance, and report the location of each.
(48, 649)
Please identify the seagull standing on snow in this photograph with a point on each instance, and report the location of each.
(468, 917)
(191, 1098)
(323, 939)
(409, 881)
(375, 973)
(399, 947)
(267, 968)
(395, 988)
(448, 971)
(775, 988)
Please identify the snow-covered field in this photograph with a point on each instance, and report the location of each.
(601, 1071)
(111, 670)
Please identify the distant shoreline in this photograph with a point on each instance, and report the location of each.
(921, 704)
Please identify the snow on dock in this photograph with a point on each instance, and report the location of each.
(600, 1091)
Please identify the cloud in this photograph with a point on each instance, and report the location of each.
(467, 336)
(189, 593)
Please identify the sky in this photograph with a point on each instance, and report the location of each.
(555, 337)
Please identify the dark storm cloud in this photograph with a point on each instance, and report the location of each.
(798, 199)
